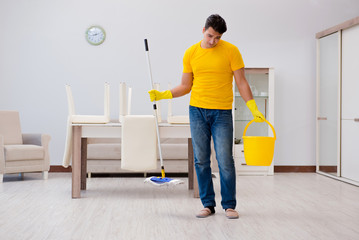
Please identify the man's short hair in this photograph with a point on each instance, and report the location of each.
(217, 23)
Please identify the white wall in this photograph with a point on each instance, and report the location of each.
(42, 47)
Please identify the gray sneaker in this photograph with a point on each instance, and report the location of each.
(205, 212)
(231, 213)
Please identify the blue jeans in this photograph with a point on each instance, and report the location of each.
(218, 124)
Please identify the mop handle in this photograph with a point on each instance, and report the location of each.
(149, 64)
(155, 109)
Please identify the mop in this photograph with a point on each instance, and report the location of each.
(163, 180)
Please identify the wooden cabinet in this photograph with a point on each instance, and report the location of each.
(337, 101)
(261, 81)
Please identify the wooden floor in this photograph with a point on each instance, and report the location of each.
(284, 206)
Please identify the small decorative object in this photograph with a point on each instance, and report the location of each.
(237, 141)
(254, 90)
(95, 35)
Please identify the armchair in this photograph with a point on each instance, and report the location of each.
(20, 153)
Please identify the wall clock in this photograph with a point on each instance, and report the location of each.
(95, 35)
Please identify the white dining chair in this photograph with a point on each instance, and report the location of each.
(75, 118)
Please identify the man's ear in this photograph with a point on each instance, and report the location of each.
(204, 29)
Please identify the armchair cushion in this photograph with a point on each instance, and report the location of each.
(10, 127)
(23, 152)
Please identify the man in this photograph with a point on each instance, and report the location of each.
(208, 70)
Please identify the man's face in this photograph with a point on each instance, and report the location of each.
(210, 38)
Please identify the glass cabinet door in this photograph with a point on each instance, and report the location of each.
(242, 115)
(328, 138)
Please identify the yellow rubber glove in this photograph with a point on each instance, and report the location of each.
(157, 95)
(258, 116)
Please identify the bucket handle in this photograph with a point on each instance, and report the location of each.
(245, 129)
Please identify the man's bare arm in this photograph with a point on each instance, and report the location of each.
(185, 86)
(242, 84)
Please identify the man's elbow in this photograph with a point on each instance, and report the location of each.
(188, 89)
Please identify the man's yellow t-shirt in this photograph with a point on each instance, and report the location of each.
(212, 70)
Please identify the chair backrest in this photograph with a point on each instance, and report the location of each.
(10, 127)
(122, 94)
(129, 101)
(70, 100)
(106, 101)
(139, 132)
(125, 103)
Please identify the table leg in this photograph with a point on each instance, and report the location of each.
(83, 163)
(76, 162)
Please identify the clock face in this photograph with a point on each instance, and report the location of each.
(95, 35)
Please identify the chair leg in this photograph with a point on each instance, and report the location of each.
(1, 177)
(45, 175)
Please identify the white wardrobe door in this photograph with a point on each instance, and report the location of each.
(350, 73)
(350, 103)
(350, 150)
(328, 107)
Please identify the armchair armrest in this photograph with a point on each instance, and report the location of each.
(2, 155)
(36, 139)
(31, 138)
(40, 140)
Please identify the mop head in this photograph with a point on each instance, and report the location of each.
(161, 182)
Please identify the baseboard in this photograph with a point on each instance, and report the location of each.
(328, 169)
(60, 168)
(282, 169)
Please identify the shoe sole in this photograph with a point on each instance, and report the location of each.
(204, 216)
